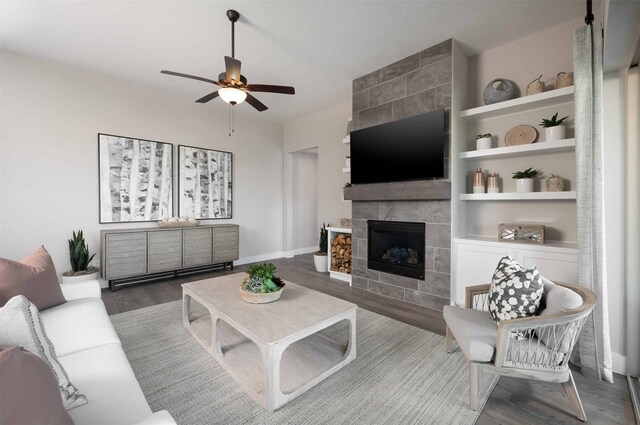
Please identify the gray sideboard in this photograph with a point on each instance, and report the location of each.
(142, 253)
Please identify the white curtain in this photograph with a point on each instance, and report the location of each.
(594, 348)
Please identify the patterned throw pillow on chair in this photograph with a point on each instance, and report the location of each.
(515, 292)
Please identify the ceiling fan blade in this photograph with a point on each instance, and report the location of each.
(233, 68)
(256, 103)
(208, 97)
(193, 77)
(271, 89)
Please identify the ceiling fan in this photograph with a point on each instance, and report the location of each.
(233, 85)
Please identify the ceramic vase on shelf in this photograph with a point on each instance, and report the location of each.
(483, 143)
(524, 185)
(478, 181)
(554, 133)
(493, 183)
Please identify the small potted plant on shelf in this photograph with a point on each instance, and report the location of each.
(320, 257)
(483, 141)
(80, 258)
(553, 128)
(524, 180)
(262, 285)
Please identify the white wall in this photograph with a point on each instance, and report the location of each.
(614, 129)
(325, 130)
(51, 115)
(305, 201)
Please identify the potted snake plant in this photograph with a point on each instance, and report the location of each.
(80, 259)
(553, 128)
(320, 257)
(524, 180)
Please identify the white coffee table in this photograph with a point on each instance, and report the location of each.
(272, 350)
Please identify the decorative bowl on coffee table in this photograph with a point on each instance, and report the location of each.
(259, 297)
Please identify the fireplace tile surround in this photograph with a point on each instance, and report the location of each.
(417, 84)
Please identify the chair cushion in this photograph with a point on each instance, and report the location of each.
(20, 325)
(78, 325)
(30, 394)
(474, 330)
(515, 292)
(104, 374)
(34, 277)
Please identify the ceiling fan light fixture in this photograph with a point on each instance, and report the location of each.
(232, 95)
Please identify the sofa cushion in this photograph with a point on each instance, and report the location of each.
(30, 394)
(114, 394)
(78, 325)
(515, 292)
(34, 277)
(557, 299)
(20, 325)
(79, 290)
(474, 330)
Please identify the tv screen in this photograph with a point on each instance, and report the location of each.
(409, 149)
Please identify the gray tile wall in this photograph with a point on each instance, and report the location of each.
(417, 84)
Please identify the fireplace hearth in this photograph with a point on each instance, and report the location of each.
(396, 247)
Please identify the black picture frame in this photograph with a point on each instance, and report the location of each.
(180, 188)
(100, 186)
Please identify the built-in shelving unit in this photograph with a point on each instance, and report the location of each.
(525, 103)
(568, 247)
(565, 145)
(333, 232)
(346, 170)
(515, 196)
(346, 140)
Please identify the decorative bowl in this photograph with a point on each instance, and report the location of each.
(260, 297)
(170, 224)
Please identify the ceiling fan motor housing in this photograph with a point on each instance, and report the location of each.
(222, 77)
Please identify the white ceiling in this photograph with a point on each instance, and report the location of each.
(317, 46)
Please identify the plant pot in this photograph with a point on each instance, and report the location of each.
(259, 297)
(483, 143)
(524, 185)
(321, 262)
(80, 278)
(554, 133)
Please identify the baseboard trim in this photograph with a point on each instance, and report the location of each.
(619, 363)
(261, 257)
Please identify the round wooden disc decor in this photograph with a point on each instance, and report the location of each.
(521, 135)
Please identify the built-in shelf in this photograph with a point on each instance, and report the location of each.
(333, 232)
(525, 103)
(570, 247)
(515, 196)
(565, 145)
(346, 170)
(346, 140)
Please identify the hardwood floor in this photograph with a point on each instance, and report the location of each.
(513, 401)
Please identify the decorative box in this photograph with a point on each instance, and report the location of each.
(523, 233)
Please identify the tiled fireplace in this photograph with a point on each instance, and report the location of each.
(396, 247)
(417, 84)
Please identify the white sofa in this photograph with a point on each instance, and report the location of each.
(89, 349)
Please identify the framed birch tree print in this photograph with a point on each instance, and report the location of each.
(204, 183)
(136, 179)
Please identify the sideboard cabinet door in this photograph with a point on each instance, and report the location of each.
(225, 244)
(165, 251)
(197, 247)
(126, 254)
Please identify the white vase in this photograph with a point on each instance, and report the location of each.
(483, 143)
(554, 133)
(524, 185)
(81, 278)
(320, 262)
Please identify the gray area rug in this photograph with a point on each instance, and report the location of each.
(401, 376)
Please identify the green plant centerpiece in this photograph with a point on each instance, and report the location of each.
(320, 259)
(261, 285)
(80, 258)
(524, 179)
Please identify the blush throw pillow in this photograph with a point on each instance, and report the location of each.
(29, 391)
(515, 291)
(34, 277)
(20, 325)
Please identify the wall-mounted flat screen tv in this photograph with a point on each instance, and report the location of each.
(408, 149)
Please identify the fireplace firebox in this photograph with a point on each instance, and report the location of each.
(396, 247)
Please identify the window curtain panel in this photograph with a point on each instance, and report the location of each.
(594, 347)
